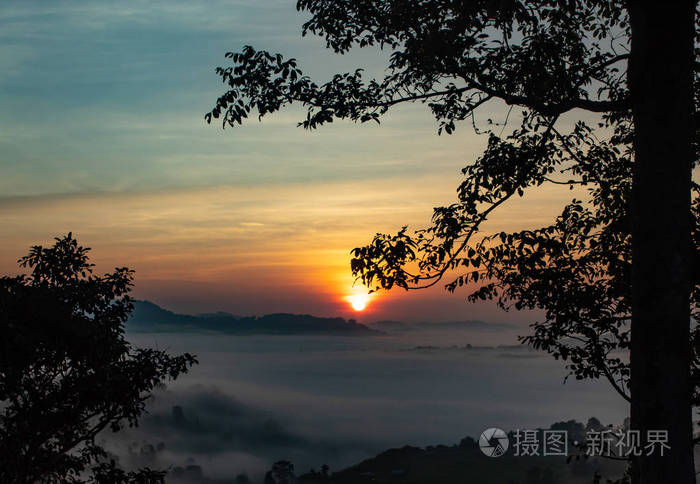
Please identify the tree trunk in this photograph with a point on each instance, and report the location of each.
(660, 79)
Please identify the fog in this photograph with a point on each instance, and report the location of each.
(312, 400)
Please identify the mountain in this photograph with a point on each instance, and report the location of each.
(393, 326)
(465, 463)
(469, 324)
(473, 325)
(218, 314)
(149, 317)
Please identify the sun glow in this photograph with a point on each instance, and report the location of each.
(359, 301)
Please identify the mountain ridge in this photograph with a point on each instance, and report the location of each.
(149, 317)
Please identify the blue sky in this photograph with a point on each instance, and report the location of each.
(102, 134)
(110, 97)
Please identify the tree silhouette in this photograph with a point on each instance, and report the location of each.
(66, 370)
(282, 472)
(109, 473)
(612, 272)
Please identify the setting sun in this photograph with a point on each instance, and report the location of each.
(359, 301)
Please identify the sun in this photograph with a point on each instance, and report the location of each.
(359, 301)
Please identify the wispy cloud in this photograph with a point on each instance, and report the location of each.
(102, 134)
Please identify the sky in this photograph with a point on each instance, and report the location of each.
(102, 134)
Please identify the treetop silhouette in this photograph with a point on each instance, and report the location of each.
(614, 271)
(67, 371)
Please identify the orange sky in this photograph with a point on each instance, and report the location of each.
(257, 249)
(102, 134)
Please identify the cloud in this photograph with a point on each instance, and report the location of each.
(102, 133)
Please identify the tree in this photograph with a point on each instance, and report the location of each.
(614, 271)
(282, 472)
(109, 473)
(67, 371)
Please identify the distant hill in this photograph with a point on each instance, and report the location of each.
(149, 317)
(465, 463)
(510, 351)
(469, 324)
(393, 326)
(473, 325)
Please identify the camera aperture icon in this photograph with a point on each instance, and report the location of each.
(493, 442)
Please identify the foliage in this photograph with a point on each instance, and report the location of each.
(548, 56)
(105, 473)
(452, 55)
(67, 371)
(282, 472)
